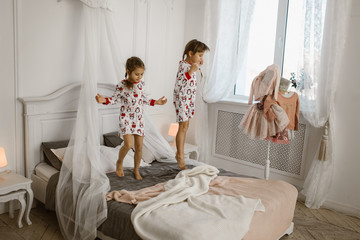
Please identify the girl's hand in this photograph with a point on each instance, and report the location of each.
(194, 67)
(161, 101)
(100, 99)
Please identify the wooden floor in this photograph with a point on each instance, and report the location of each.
(309, 224)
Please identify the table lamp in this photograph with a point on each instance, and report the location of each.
(3, 161)
(173, 129)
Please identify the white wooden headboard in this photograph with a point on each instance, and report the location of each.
(52, 117)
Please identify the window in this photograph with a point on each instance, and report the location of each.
(276, 36)
(261, 44)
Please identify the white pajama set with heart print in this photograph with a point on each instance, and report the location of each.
(184, 93)
(132, 101)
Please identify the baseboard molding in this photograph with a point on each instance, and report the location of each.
(336, 206)
(343, 208)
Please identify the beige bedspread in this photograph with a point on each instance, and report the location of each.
(278, 197)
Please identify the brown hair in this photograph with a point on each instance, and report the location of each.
(195, 46)
(131, 64)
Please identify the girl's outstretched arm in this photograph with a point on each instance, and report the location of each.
(161, 101)
(99, 98)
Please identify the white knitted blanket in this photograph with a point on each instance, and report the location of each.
(182, 212)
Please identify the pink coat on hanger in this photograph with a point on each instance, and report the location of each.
(266, 83)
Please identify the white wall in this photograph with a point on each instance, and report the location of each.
(41, 45)
(344, 193)
(8, 85)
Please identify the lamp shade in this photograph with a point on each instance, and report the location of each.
(173, 129)
(3, 162)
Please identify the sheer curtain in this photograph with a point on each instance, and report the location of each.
(226, 32)
(323, 43)
(80, 194)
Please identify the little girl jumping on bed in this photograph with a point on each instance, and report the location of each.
(185, 92)
(130, 93)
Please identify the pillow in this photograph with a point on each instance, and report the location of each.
(109, 156)
(59, 153)
(112, 139)
(49, 156)
(147, 155)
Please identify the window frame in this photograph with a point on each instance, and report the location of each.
(279, 44)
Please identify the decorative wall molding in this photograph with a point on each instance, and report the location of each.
(19, 156)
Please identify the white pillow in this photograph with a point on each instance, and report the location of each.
(59, 153)
(110, 156)
(147, 156)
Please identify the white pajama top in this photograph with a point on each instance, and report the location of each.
(184, 93)
(131, 119)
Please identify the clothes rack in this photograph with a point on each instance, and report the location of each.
(267, 162)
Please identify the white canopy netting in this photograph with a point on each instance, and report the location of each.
(80, 194)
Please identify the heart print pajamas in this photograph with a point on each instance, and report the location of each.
(132, 101)
(184, 93)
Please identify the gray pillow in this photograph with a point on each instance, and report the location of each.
(49, 157)
(112, 139)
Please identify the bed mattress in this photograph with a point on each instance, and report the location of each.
(278, 197)
(41, 178)
(45, 171)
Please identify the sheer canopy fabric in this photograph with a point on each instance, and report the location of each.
(82, 187)
(324, 36)
(80, 202)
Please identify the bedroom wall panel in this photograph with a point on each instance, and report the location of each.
(8, 86)
(50, 44)
(163, 52)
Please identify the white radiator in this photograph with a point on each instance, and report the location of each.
(231, 143)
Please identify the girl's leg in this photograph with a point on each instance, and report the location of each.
(128, 143)
(180, 142)
(138, 155)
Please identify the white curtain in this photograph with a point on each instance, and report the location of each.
(226, 32)
(323, 44)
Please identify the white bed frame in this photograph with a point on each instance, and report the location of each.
(52, 117)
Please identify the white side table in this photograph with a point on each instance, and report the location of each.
(190, 151)
(18, 195)
(10, 185)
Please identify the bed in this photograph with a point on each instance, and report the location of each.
(48, 122)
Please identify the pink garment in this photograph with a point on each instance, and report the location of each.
(134, 197)
(281, 137)
(291, 106)
(266, 83)
(256, 126)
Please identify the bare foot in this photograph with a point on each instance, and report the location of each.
(120, 172)
(180, 161)
(119, 169)
(137, 175)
